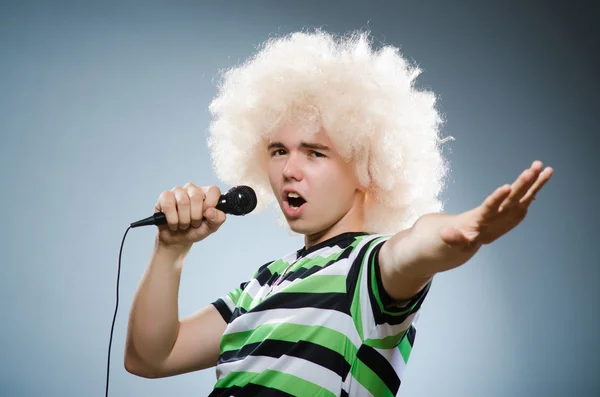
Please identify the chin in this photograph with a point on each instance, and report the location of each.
(299, 226)
(302, 227)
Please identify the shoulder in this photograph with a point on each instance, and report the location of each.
(366, 244)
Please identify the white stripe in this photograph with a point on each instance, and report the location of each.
(368, 320)
(298, 367)
(252, 288)
(325, 252)
(255, 290)
(394, 357)
(311, 316)
(366, 311)
(229, 302)
(338, 269)
(416, 319)
(354, 388)
(383, 330)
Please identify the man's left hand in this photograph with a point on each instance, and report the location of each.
(499, 213)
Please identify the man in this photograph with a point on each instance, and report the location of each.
(337, 134)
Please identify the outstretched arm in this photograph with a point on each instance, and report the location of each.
(440, 242)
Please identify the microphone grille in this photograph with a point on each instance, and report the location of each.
(242, 200)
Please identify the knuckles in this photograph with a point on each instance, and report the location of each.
(186, 195)
(213, 193)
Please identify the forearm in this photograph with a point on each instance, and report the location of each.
(154, 316)
(412, 257)
(421, 252)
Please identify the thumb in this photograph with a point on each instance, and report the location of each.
(213, 218)
(453, 236)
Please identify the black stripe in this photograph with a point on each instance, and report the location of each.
(411, 334)
(223, 309)
(377, 313)
(354, 272)
(343, 241)
(382, 367)
(304, 272)
(344, 393)
(297, 300)
(236, 313)
(417, 301)
(264, 275)
(379, 316)
(309, 351)
(249, 390)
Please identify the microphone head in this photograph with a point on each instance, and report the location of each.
(241, 200)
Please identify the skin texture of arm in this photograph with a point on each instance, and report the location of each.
(159, 344)
(440, 242)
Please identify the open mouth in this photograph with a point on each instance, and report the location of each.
(295, 200)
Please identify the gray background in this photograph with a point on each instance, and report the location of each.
(104, 106)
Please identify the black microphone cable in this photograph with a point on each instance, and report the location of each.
(112, 328)
(239, 200)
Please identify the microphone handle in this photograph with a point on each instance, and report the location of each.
(159, 218)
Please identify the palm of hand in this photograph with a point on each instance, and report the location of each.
(500, 212)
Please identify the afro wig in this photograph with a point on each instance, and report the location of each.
(365, 100)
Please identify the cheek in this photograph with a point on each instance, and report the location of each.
(274, 175)
(336, 186)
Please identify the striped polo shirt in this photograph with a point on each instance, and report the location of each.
(316, 322)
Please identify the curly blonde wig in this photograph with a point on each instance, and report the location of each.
(363, 98)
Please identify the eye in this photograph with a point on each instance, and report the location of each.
(278, 152)
(316, 154)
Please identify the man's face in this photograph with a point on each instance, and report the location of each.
(315, 188)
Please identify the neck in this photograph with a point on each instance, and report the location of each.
(352, 221)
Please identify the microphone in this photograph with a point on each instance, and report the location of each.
(239, 200)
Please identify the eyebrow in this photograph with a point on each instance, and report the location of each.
(303, 144)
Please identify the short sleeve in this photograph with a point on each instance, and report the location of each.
(380, 321)
(227, 303)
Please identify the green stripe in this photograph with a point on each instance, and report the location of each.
(319, 335)
(235, 295)
(313, 284)
(355, 306)
(318, 284)
(369, 379)
(277, 380)
(320, 261)
(389, 342)
(246, 301)
(375, 288)
(278, 266)
(405, 349)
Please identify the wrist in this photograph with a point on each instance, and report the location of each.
(171, 251)
(435, 255)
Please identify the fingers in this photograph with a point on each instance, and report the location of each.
(539, 183)
(526, 185)
(167, 204)
(197, 197)
(519, 188)
(183, 207)
(213, 194)
(213, 216)
(187, 205)
(493, 201)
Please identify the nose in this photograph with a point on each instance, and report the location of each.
(293, 168)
